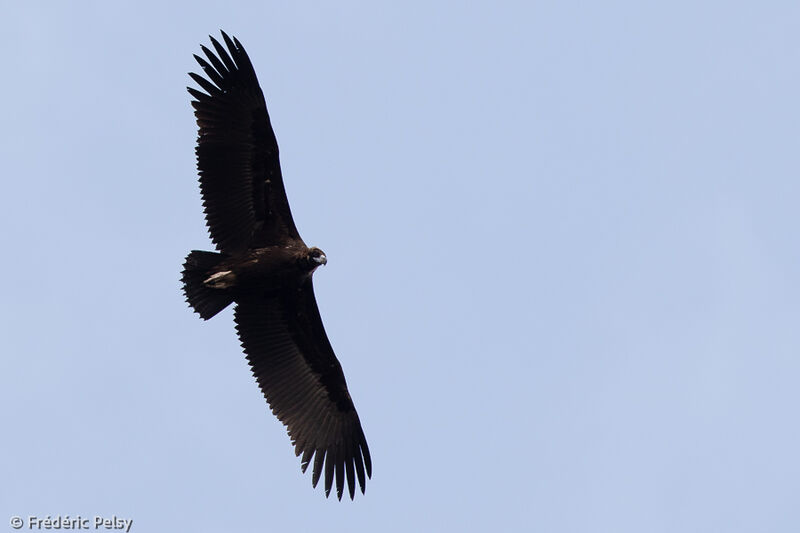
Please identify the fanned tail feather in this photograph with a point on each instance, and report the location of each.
(206, 301)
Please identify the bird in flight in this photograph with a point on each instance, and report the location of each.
(264, 267)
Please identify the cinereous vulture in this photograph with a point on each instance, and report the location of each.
(264, 267)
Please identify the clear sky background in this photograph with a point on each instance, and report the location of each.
(562, 279)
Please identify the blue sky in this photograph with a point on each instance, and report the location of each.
(562, 279)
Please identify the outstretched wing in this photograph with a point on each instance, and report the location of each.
(237, 154)
(294, 364)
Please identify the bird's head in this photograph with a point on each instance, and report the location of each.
(315, 258)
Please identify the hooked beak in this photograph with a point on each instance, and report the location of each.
(322, 260)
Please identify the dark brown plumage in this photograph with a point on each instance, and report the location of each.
(264, 267)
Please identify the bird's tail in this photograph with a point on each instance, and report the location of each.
(206, 301)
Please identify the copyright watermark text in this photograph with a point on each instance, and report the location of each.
(71, 522)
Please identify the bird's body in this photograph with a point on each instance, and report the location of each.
(264, 267)
(267, 269)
